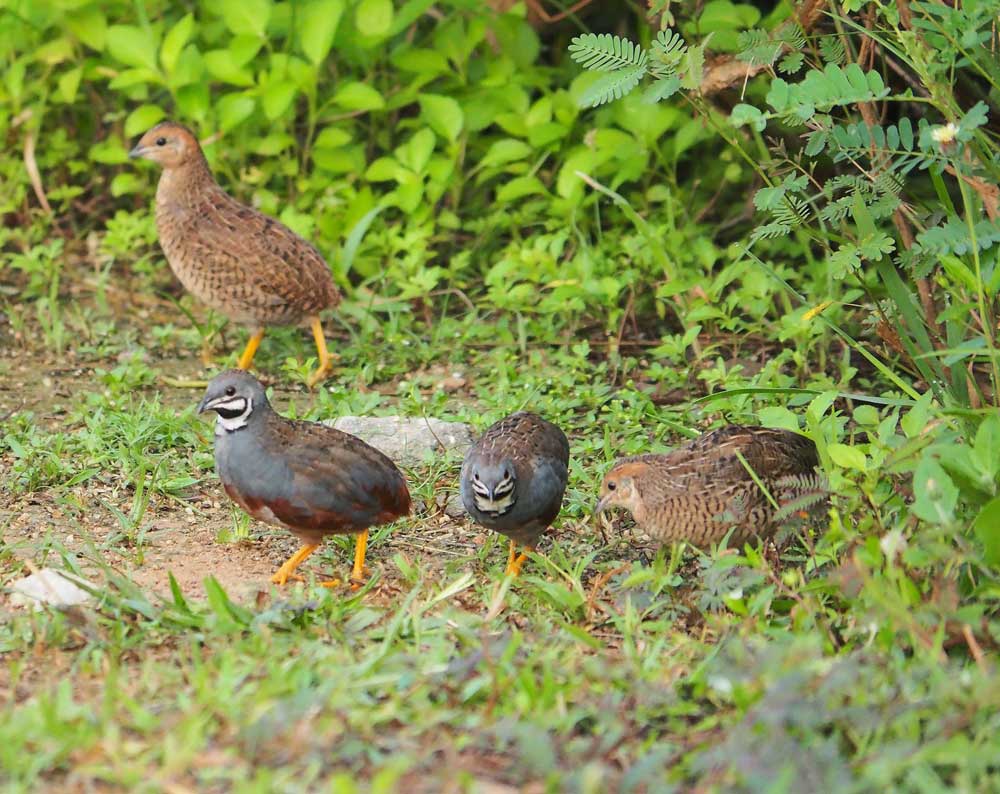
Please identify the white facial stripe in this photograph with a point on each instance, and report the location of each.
(505, 486)
(232, 404)
(238, 410)
(479, 488)
(497, 506)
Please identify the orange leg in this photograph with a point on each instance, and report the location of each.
(515, 561)
(251, 349)
(287, 570)
(325, 363)
(360, 549)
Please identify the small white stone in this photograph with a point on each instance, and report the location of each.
(49, 586)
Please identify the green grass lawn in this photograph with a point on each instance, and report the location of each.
(609, 666)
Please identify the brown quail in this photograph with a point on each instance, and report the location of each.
(513, 480)
(701, 490)
(242, 263)
(304, 476)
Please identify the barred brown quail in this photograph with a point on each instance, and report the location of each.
(310, 479)
(249, 267)
(513, 480)
(701, 490)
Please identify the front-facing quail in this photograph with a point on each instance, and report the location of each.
(513, 480)
(701, 490)
(246, 265)
(306, 477)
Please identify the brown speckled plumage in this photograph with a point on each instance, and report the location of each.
(246, 265)
(701, 490)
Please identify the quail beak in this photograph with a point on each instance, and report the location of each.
(138, 151)
(205, 404)
(601, 506)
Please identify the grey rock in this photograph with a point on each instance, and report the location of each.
(50, 586)
(408, 441)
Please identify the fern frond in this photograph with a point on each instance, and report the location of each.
(602, 52)
(794, 37)
(837, 210)
(952, 237)
(769, 231)
(757, 48)
(791, 63)
(831, 50)
(668, 46)
(613, 85)
(791, 212)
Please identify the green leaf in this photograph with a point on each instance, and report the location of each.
(602, 52)
(845, 260)
(233, 109)
(223, 65)
(90, 26)
(316, 24)
(613, 85)
(725, 15)
(519, 187)
(914, 423)
(142, 118)
(693, 66)
(987, 527)
(175, 590)
(847, 457)
(246, 17)
(664, 88)
(374, 17)
(331, 138)
(935, 495)
(69, 83)
(358, 96)
(174, 42)
(193, 101)
(443, 114)
(791, 63)
(132, 46)
(506, 150)
(421, 61)
(779, 94)
(277, 98)
(416, 153)
(124, 183)
(986, 449)
(384, 169)
(747, 114)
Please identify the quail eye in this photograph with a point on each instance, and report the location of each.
(230, 391)
(475, 476)
(612, 486)
(161, 141)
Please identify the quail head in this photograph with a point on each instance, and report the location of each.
(306, 477)
(246, 265)
(700, 491)
(513, 480)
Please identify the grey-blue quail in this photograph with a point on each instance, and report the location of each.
(303, 476)
(513, 480)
